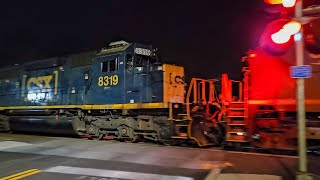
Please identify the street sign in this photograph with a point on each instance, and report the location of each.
(300, 71)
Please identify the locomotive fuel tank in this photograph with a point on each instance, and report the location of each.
(43, 124)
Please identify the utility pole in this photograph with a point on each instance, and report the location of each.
(303, 170)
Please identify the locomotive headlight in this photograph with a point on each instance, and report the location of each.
(31, 96)
(241, 133)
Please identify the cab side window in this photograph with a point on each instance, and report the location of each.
(110, 66)
(140, 61)
(104, 66)
(129, 62)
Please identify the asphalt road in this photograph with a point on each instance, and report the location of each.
(44, 158)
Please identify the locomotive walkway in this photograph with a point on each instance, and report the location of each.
(41, 157)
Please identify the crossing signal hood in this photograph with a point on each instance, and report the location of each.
(276, 39)
(279, 36)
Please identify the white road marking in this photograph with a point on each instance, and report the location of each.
(58, 140)
(12, 144)
(88, 152)
(112, 173)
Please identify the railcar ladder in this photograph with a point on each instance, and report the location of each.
(186, 127)
(236, 122)
(237, 127)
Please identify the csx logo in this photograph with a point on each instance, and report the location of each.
(42, 83)
(179, 79)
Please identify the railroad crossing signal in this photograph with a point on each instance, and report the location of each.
(300, 71)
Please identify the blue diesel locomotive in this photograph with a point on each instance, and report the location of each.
(120, 91)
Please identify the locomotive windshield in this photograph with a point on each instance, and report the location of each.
(146, 55)
(141, 61)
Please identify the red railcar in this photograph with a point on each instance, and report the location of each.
(269, 103)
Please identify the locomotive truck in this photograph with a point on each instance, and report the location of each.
(123, 92)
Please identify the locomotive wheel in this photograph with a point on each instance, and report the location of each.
(135, 138)
(127, 135)
(94, 132)
(100, 136)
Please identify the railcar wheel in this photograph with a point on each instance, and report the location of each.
(237, 146)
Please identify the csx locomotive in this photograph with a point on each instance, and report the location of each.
(123, 92)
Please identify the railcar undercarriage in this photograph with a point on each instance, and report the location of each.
(123, 125)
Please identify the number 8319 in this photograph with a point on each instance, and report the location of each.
(108, 80)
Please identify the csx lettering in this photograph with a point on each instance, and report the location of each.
(42, 82)
(179, 79)
(108, 80)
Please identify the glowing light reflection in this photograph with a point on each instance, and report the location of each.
(280, 37)
(288, 3)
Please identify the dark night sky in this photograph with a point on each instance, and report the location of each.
(206, 37)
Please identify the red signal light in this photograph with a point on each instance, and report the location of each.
(280, 37)
(275, 41)
(288, 3)
(284, 34)
(285, 3)
(273, 1)
(292, 27)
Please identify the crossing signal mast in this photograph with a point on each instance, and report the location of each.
(279, 36)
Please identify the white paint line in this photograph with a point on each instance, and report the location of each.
(12, 144)
(112, 173)
(144, 159)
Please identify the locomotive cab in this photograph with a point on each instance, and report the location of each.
(130, 73)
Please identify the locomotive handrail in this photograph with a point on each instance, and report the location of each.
(197, 95)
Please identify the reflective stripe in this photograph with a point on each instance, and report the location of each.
(100, 106)
(282, 101)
